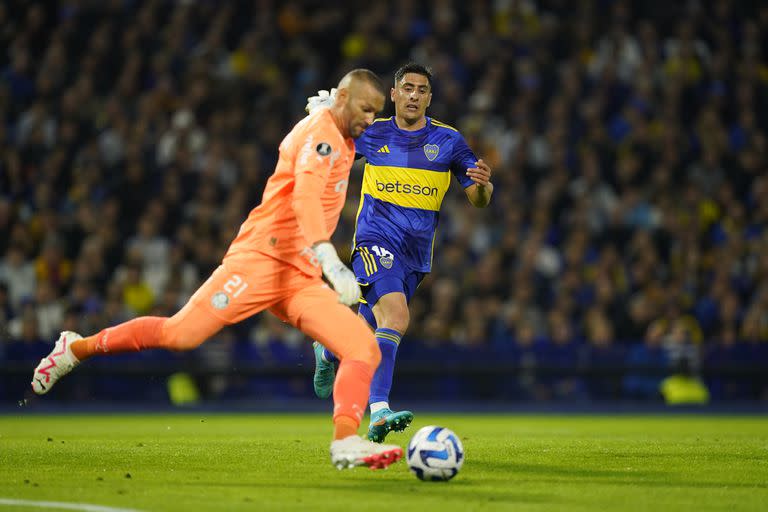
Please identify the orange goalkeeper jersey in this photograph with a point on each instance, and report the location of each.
(303, 198)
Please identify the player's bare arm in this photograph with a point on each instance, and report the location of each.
(480, 192)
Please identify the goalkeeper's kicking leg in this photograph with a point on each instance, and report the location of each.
(185, 330)
(206, 312)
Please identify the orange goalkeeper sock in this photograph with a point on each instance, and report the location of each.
(132, 336)
(344, 426)
(350, 394)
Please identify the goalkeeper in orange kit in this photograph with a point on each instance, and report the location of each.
(276, 263)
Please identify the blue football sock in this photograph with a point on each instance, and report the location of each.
(389, 340)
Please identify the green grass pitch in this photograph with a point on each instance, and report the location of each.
(204, 461)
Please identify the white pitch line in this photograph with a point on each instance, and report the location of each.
(64, 505)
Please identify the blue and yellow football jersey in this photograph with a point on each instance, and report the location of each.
(406, 176)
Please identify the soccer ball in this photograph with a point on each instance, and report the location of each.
(435, 453)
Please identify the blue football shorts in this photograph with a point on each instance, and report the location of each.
(379, 272)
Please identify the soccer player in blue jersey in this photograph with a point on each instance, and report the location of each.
(410, 158)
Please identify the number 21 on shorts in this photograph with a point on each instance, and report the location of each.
(235, 286)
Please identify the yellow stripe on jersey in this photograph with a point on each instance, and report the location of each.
(431, 251)
(405, 186)
(357, 216)
(438, 123)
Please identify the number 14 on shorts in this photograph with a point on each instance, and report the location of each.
(382, 252)
(385, 258)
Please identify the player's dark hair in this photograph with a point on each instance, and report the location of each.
(368, 76)
(414, 67)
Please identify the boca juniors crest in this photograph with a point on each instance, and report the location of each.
(431, 151)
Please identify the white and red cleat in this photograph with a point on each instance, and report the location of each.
(57, 364)
(355, 451)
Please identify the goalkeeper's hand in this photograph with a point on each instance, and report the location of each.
(324, 99)
(338, 274)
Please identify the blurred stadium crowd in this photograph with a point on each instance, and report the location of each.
(628, 141)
